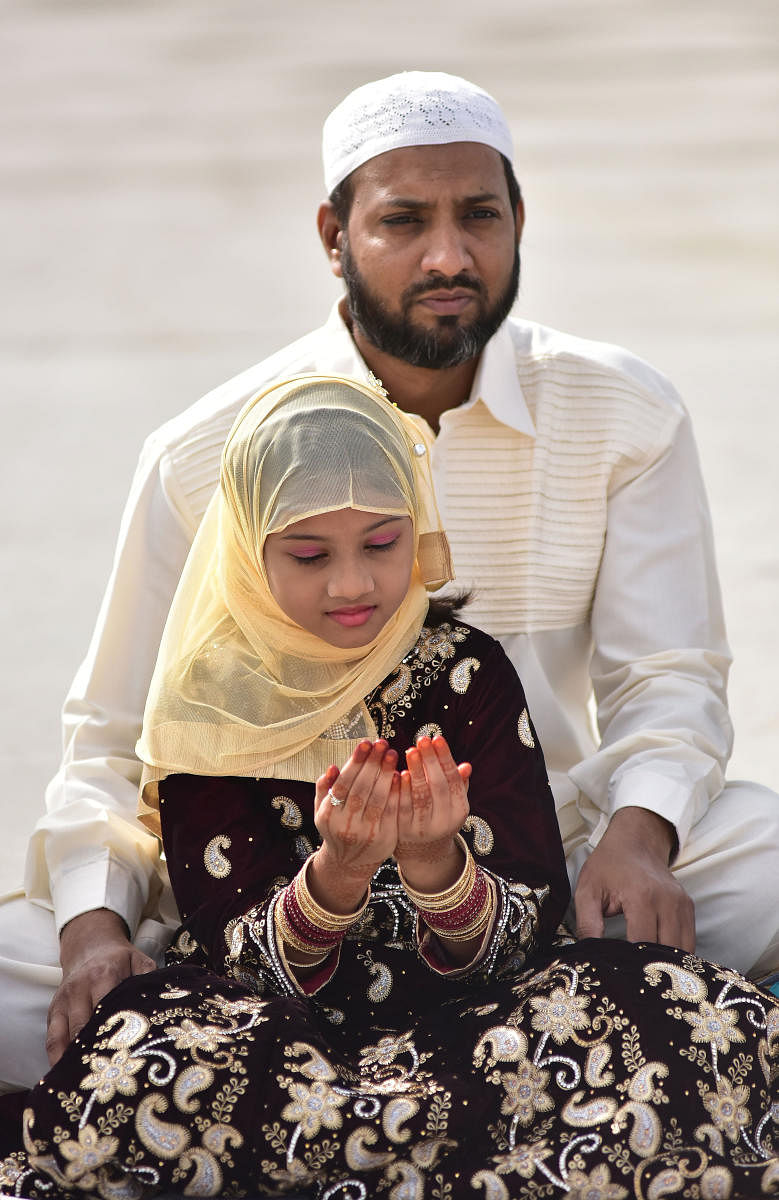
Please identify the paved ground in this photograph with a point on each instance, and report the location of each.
(158, 179)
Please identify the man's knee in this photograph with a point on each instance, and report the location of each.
(730, 867)
(29, 976)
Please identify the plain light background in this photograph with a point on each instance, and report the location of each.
(159, 177)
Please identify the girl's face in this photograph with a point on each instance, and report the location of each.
(341, 575)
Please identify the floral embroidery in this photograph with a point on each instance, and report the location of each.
(525, 1092)
(111, 1075)
(438, 644)
(597, 1185)
(715, 1025)
(84, 1156)
(560, 1015)
(314, 1106)
(419, 669)
(727, 1110)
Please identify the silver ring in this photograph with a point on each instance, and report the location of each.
(333, 798)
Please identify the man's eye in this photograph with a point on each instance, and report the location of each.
(400, 219)
(482, 214)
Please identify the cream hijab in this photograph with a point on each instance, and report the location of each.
(239, 688)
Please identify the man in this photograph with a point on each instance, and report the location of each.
(570, 488)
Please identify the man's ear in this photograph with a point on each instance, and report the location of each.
(330, 234)
(520, 219)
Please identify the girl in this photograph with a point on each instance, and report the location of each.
(368, 994)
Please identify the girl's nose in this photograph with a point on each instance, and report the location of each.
(350, 581)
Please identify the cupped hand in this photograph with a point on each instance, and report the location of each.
(96, 955)
(628, 873)
(433, 807)
(355, 811)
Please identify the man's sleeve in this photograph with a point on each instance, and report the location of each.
(89, 851)
(661, 658)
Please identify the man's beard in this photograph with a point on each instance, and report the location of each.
(449, 343)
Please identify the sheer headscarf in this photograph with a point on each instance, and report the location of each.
(239, 688)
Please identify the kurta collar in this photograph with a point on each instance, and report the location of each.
(496, 382)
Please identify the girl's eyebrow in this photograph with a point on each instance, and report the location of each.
(321, 537)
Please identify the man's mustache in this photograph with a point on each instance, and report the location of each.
(441, 283)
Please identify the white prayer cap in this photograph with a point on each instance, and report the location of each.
(414, 108)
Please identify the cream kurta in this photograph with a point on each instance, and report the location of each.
(569, 485)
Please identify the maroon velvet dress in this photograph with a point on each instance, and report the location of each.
(546, 1068)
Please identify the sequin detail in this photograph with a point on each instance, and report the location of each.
(216, 863)
(524, 730)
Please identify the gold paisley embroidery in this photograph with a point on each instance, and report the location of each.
(216, 863)
(207, 1179)
(302, 847)
(164, 1140)
(397, 689)
(191, 1080)
(185, 944)
(382, 983)
(493, 1185)
(483, 839)
(502, 1043)
(642, 1085)
(133, 1028)
(594, 1111)
(396, 1113)
(595, 1073)
(685, 985)
(358, 1156)
(646, 1133)
(524, 730)
(291, 816)
(461, 674)
(429, 731)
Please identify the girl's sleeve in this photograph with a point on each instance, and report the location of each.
(512, 829)
(228, 868)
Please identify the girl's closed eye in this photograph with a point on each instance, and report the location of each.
(309, 554)
(383, 541)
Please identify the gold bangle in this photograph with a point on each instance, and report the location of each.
(287, 936)
(321, 917)
(314, 962)
(471, 931)
(451, 897)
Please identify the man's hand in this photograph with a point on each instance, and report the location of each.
(96, 955)
(628, 873)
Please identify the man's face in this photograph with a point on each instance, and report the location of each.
(430, 257)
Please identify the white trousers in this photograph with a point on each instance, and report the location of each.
(730, 867)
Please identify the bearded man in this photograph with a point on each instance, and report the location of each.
(569, 485)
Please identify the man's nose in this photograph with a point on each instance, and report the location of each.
(446, 249)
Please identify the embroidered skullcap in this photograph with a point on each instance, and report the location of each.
(414, 108)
